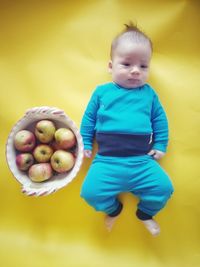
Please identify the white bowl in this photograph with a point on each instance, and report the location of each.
(28, 122)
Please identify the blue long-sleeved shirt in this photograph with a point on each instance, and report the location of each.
(114, 109)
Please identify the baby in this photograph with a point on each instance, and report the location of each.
(130, 126)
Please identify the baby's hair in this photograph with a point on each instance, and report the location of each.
(131, 33)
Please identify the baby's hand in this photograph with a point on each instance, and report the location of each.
(88, 153)
(156, 154)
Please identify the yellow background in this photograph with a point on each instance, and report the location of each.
(54, 53)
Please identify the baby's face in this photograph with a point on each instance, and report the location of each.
(130, 64)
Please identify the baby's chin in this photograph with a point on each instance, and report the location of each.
(132, 85)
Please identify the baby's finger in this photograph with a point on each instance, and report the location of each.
(87, 153)
(157, 156)
(151, 152)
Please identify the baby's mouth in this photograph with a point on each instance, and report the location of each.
(134, 80)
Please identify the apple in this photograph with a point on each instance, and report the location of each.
(24, 161)
(65, 138)
(62, 161)
(54, 145)
(24, 141)
(42, 153)
(44, 131)
(40, 172)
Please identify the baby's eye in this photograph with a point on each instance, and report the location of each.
(126, 64)
(144, 66)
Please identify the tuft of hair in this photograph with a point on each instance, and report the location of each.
(131, 27)
(131, 33)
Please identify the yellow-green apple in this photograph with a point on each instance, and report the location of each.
(40, 172)
(24, 161)
(42, 153)
(24, 141)
(65, 138)
(62, 161)
(44, 131)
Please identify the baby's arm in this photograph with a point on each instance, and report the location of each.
(88, 124)
(160, 129)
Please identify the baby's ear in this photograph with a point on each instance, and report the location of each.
(110, 66)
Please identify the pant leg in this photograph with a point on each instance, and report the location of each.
(152, 186)
(103, 184)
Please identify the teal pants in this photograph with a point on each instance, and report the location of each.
(140, 175)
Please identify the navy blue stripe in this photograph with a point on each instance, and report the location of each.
(143, 216)
(123, 145)
(117, 211)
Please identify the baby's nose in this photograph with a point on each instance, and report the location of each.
(135, 69)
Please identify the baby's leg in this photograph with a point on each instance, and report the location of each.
(101, 188)
(111, 218)
(153, 189)
(151, 225)
(109, 222)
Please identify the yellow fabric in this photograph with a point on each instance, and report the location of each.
(54, 53)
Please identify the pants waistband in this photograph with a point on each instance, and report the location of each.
(123, 145)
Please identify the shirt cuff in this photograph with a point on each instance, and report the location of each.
(160, 147)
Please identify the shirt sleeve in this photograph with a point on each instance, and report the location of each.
(159, 125)
(88, 123)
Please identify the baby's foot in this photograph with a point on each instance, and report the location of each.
(109, 222)
(152, 226)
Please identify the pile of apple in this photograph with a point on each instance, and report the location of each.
(45, 151)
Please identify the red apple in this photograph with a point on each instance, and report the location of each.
(24, 161)
(54, 145)
(42, 153)
(62, 161)
(65, 138)
(44, 131)
(24, 141)
(40, 172)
